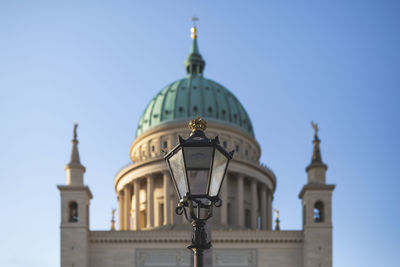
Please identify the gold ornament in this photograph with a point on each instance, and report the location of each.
(193, 31)
(197, 124)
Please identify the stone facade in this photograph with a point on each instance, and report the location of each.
(151, 234)
(242, 233)
(168, 248)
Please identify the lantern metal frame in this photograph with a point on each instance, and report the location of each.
(198, 208)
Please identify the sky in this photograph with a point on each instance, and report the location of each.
(288, 62)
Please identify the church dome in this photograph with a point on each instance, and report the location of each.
(195, 95)
(191, 96)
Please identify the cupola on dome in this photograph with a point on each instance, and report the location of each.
(195, 95)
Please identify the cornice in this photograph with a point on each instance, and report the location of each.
(317, 165)
(218, 237)
(75, 188)
(318, 226)
(316, 187)
(74, 226)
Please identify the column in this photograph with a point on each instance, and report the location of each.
(240, 199)
(127, 206)
(120, 210)
(159, 150)
(148, 151)
(269, 210)
(173, 201)
(224, 198)
(170, 140)
(167, 201)
(263, 207)
(176, 219)
(254, 204)
(136, 222)
(150, 201)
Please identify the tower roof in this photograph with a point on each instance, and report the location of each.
(316, 159)
(195, 95)
(75, 162)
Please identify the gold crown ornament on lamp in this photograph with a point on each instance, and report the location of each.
(197, 124)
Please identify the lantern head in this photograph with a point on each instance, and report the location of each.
(198, 164)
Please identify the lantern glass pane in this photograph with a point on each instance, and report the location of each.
(219, 165)
(198, 163)
(198, 181)
(178, 170)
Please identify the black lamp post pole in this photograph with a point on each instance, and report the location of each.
(199, 239)
(199, 234)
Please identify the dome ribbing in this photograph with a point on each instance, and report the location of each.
(191, 96)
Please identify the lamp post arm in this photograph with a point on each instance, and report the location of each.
(195, 202)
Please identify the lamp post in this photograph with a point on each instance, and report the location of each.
(198, 166)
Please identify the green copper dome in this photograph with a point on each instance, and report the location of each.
(195, 95)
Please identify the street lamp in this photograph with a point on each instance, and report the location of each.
(198, 166)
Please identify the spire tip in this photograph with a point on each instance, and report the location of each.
(316, 154)
(75, 159)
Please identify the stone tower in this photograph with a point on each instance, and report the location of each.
(316, 198)
(75, 200)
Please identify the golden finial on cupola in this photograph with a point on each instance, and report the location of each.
(193, 30)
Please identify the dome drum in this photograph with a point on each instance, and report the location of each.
(243, 185)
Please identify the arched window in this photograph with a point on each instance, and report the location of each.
(73, 212)
(319, 211)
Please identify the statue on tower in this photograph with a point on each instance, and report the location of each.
(277, 221)
(75, 132)
(315, 127)
(113, 219)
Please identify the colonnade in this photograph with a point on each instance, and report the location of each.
(260, 202)
(130, 217)
(233, 212)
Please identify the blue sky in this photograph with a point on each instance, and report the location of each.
(289, 62)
